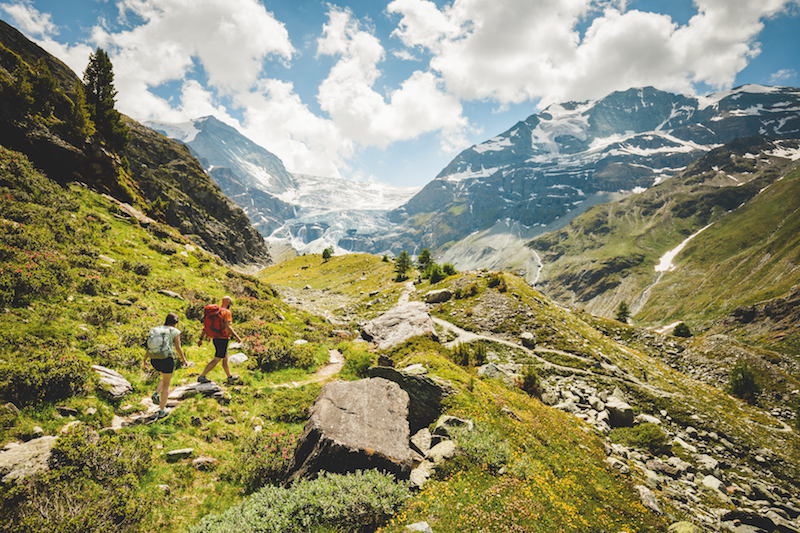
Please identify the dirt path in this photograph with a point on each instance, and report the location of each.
(212, 389)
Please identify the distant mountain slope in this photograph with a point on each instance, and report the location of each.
(309, 213)
(157, 174)
(557, 163)
(745, 194)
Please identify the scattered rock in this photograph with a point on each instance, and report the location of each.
(422, 527)
(620, 413)
(171, 294)
(204, 463)
(177, 455)
(438, 296)
(648, 498)
(112, 382)
(528, 340)
(684, 527)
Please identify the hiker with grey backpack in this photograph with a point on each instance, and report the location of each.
(162, 344)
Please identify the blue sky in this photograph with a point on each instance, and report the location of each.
(391, 91)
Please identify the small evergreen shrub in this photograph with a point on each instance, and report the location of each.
(647, 436)
(362, 501)
(291, 405)
(530, 382)
(497, 281)
(466, 292)
(742, 382)
(436, 274)
(460, 354)
(682, 330)
(449, 269)
(263, 459)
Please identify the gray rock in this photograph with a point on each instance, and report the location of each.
(424, 394)
(550, 397)
(648, 498)
(646, 419)
(421, 441)
(438, 296)
(399, 324)
(684, 527)
(115, 385)
(204, 463)
(177, 455)
(171, 294)
(420, 475)
(508, 373)
(23, 460)
(422, 527)
(620, 414)
(441, 452)
(528, 340)
(355, 425)
(685, 445)
(706, 464)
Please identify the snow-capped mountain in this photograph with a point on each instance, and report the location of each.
(553, 165)
(309, 213)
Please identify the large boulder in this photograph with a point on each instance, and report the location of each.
(399, 324)
(18, 461)
(438, 296)
(424, 394)
(355, 425)
(620, 413)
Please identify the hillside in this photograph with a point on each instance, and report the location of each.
(154, 174)
(744, 195)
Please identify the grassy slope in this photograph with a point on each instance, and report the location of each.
(99, 311)
(608, 254)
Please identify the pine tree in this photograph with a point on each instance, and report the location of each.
(402, 265)
(623, 312)
(81, 126)
(424, 261)
(327, 253)
(101, 97)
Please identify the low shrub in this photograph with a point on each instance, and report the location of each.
(333, 502)
(263, 459)
(647, 436)
(356, 364)
(498, 281)
(45, 374)
(682, 330)
(436, 274)
(274, 352)
(742, 382)
(460, 354)
(26, 275)
(449, 269)
(466, 292)
(292, 405)
(530, 382)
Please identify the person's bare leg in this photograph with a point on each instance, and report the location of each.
(225, 366)
(211, 364)
(163, 390)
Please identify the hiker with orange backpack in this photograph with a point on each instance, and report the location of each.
(217, 327)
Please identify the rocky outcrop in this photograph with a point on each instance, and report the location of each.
(355, 425)
(424, 394)
(399, 324)
(438, 296)
(20, 460)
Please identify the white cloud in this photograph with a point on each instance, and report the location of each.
(348, 95)
(513, 51)
(29, 20)
(782, 76)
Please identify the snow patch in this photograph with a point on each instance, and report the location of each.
(665, 264)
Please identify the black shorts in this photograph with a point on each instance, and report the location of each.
(220, 348)
(165, 366)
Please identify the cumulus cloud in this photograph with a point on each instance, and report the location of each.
(30, 20)
(513, 51)
(420, 105)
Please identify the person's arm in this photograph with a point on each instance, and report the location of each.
(229, 327)
(200, 340)
(146, 357)
(178, 349)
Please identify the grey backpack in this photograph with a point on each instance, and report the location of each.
(159, 342)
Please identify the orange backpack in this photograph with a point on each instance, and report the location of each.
(213, 325)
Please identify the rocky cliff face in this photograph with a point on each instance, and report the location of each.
(157, 174)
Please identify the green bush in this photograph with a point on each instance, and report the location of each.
(353, 502)
(291, 405)
(435, 274)
(25, 275)
(742, 382)
(466, 292)
(530, 382)
(274, 352)
(498, 281)
(263, 459)
(460, 354)
(682, 330)
(484, 446)
(46, 374)
(647, 436)
(90, 488)
(356, 364)
(449, 269)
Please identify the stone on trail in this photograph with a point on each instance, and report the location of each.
(355, 425)
(116, 386)
(399, 324)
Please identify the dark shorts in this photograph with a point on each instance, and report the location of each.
(220, 348)
(165, 366)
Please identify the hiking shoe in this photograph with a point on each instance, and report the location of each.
(156, 398)
(162, 414)
(203, 379)
(232, 380)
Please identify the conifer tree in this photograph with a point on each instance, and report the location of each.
(101, 97)
(424, 260)
(401, 265)
(623, 312)
(80, 122)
